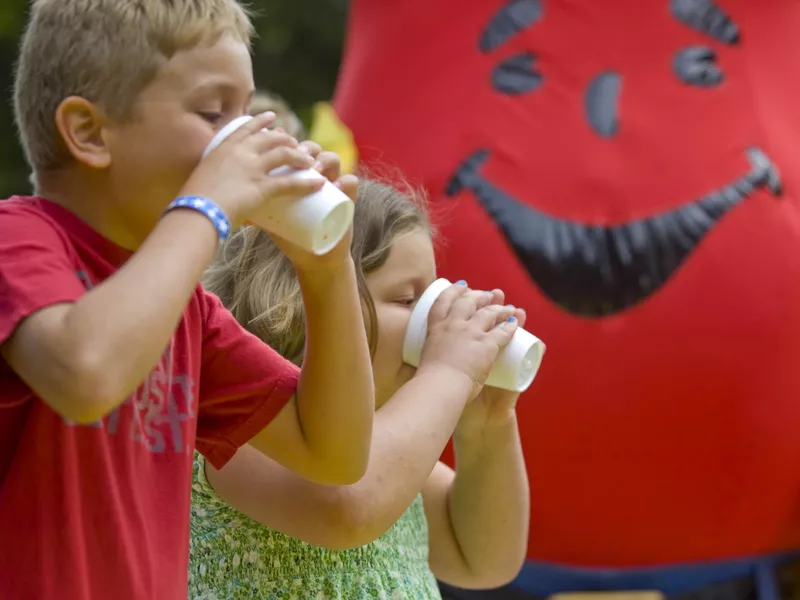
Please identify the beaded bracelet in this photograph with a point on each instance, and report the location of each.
(207, 207)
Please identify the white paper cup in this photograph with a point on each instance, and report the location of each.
(317, 222)
(516, 365)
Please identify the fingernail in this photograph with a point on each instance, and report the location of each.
(512, 319)
(511, 306)
(461, 282)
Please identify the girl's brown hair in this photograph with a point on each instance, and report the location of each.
(257, 283)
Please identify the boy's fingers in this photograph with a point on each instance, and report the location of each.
(267, 140)
(329, 165)
(312, 148)
(286, 185)
(349, 185)
(253, 126)
(285, 156)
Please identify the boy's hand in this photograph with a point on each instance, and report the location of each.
(329, 165)
(236, 175)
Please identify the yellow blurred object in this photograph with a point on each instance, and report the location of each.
(333, 135)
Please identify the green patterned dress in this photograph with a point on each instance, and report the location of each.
(233, 557)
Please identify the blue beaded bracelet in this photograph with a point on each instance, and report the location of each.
(209, 208)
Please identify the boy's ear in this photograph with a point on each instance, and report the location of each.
(82, 126)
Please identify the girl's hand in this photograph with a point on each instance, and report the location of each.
(492, 407)
(466, 331)
(329, 165)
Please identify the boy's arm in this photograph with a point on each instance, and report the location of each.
(324, 433)
(85, 355)
(409, 436)
(478, 516)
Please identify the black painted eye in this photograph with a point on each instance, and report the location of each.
(706, 17)
(515, 16)
(697, 66)
(516, 75)
(602, 103)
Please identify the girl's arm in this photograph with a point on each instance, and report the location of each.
(409, 434)
(478, 516)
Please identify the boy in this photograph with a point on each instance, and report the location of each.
(115, 362)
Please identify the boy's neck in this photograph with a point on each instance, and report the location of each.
(93, 202)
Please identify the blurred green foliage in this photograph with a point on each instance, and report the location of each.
(296, 55)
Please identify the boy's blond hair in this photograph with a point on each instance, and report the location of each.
(287, 118)
(105, 51)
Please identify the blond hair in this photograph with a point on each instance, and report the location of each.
(287, 118)
(257, 283)
(105, 51)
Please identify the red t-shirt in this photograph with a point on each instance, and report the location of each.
(102, 511)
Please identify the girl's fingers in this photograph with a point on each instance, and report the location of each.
(441, 308)
(490, 316)
(502, 334)
(467, 304)
(521, 316)
(499, 296)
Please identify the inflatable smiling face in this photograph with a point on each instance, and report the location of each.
(613, 260)
(627, 172)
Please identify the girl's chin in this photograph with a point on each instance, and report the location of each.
(404, 375)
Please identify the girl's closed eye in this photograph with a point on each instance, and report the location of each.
(406, 301)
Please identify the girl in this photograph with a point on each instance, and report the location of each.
(258, 531)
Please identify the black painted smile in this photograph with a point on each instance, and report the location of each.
(592, 270)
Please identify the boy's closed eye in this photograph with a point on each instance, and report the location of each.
(211, 117)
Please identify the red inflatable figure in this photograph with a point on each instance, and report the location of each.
(627, 171)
